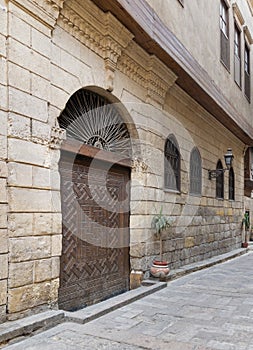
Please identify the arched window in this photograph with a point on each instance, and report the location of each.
(220, 181)
(171, 164)
(195, 172)
(231, 185)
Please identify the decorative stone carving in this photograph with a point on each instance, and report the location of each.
(46, 11)
(101, 32)
(132, 63)
(58, 135)
(156, 78)
(138, 165)
(159, 80)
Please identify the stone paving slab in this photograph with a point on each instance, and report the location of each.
(27, 326)
(210, 309)
(102, 308)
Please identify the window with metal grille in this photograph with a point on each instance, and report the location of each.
(224, 34)
(171, 164)
(195, 172)
(231, 185)
(220, 181)
(247, 71)
(237, 55)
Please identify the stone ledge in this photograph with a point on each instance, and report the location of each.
(94, 311)
(184, 270)
(13, 330)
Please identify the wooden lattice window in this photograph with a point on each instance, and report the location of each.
(93, 120)
(220, 181)
(195, 172)
(224, 34)
(172, 164)
(231, 185)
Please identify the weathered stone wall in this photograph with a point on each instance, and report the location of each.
(52, 53)
(3, 166)
(203, 226)
(34, 217)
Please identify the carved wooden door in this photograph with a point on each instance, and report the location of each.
(95, 209)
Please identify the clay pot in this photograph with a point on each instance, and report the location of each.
(159, 268)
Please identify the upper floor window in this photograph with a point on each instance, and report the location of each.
(237, 55)
(231, 185)
(195, 172)
(171, 164)
(220, 181)
(224, 34)
(247, 71)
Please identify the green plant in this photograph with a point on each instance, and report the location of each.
(246, 221)
(160, 223)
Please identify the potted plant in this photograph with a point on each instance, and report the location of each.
(160, 223)
(246, 227)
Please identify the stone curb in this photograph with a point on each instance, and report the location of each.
(104, 307)
(13, 330)
(182, 271)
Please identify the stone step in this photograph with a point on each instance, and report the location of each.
(16, 330)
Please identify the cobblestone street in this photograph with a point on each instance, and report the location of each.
(208, 309)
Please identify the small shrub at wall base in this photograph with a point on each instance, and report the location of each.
(246, 227)
(160, 223)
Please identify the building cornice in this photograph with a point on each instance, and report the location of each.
(45, 11)
(100, 32)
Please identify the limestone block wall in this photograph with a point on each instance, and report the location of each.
(48, 59)
(3, 167)
(202, 226)
(34, 214)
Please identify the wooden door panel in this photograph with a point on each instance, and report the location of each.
(95, 255)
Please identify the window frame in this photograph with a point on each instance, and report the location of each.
(247, 85)
(172, 165)
(224, 35)
(237, 55)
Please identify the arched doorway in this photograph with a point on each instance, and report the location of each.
(95, 172)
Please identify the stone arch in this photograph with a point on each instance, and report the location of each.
(95, 262)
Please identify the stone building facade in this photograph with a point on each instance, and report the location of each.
(69, 213)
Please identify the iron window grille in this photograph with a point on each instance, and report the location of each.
(231, 185)
(172, 165)
(195, 172)
(93, 120)
(220, 181)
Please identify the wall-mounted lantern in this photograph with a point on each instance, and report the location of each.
(228, 160)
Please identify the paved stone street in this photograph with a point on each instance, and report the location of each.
(208, 309)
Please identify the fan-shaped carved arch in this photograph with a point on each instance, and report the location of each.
(93, 120)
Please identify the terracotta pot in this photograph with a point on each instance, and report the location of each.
(245, 245)
(160, 268)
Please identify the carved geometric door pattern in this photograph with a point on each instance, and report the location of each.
(95, 253)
